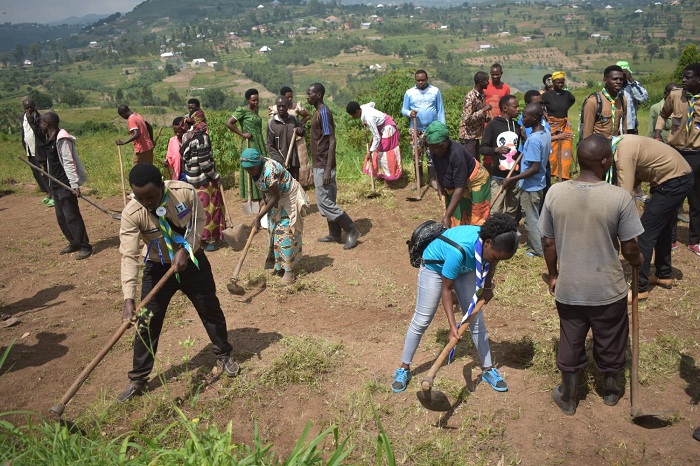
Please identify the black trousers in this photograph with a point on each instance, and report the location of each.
(69, 219)
(198, 285)
(610, 328)
(658, 219)
(41, 180)
(693, 159)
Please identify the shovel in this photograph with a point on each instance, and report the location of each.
(374, 193)
(637, 413)
(436, 400)
(57, 409)
(114, 215)
(232, 232)
(248, 207)
(233, 287)
(416, 161)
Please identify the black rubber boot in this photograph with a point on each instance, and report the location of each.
(565, 394)
(351, 233)
(612, 389)
(334, 233)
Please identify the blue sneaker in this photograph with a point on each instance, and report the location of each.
(401, 378)
(493, 378)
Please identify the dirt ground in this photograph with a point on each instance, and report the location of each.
(362, 299)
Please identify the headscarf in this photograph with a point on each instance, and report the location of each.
(558, 75)
(251, 158)
(436, 133)
(198, 122)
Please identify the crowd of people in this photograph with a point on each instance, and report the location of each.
(502, 167)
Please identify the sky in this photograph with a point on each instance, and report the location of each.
(46, 11)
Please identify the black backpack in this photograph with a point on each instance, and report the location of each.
(422, 236)
(598, 110)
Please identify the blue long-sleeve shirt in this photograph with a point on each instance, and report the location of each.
(635, 95)
(427, 103)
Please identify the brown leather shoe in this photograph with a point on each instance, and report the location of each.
(641, 296)
(666, 283)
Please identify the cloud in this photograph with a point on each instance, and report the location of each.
(43, 11)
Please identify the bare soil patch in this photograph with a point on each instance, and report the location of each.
(362, 299)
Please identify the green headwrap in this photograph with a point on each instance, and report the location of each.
(251, 158)
(436, 133)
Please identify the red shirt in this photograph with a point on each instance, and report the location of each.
(494, 94)
(143, 142)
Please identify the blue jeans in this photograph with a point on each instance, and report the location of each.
(427, 302)
(530, 202)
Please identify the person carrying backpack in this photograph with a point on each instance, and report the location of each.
(465, 261)
(604, 112)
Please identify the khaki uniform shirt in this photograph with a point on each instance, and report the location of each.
(184, 210)
(604, 125)
(639, 158)
(676, 108)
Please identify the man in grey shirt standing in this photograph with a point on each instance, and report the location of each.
(581, 223)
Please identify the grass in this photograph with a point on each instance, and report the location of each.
(305, 361)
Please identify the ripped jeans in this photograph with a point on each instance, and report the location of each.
(427, 302)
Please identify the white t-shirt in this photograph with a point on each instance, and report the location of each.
(29, 137)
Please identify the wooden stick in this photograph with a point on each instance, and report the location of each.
(634, 373)
(415, 157)
(427, 382)
(500, 190)
(58, 409)
(121, 172)
(371, 165)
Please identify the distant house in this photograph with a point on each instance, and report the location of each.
(444, 26)
(365, 25)
(234, 38)
(275, 3)
(301, 30)
(167, 55)
(332, 19)
(504, 33)
(595, 36)
(264, 49)
(93, 44)
(312, 30)
(260, 7)
(197, 62)
(608, 7)
(485, 47)
(27, 63)
(527, 38)
(638, 10)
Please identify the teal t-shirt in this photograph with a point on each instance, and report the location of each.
(455, 264)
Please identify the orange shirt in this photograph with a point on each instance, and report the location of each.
(143, 142)
(494, 94)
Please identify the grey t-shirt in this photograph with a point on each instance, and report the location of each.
(587, 221)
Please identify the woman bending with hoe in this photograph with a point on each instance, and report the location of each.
(284, 205)
(470, 273)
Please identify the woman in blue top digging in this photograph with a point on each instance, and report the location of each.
(470, 274)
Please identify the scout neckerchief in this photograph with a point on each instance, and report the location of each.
(609, 178)
(612, 106)
(169, 236)
(691, 109)
(482, 270)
